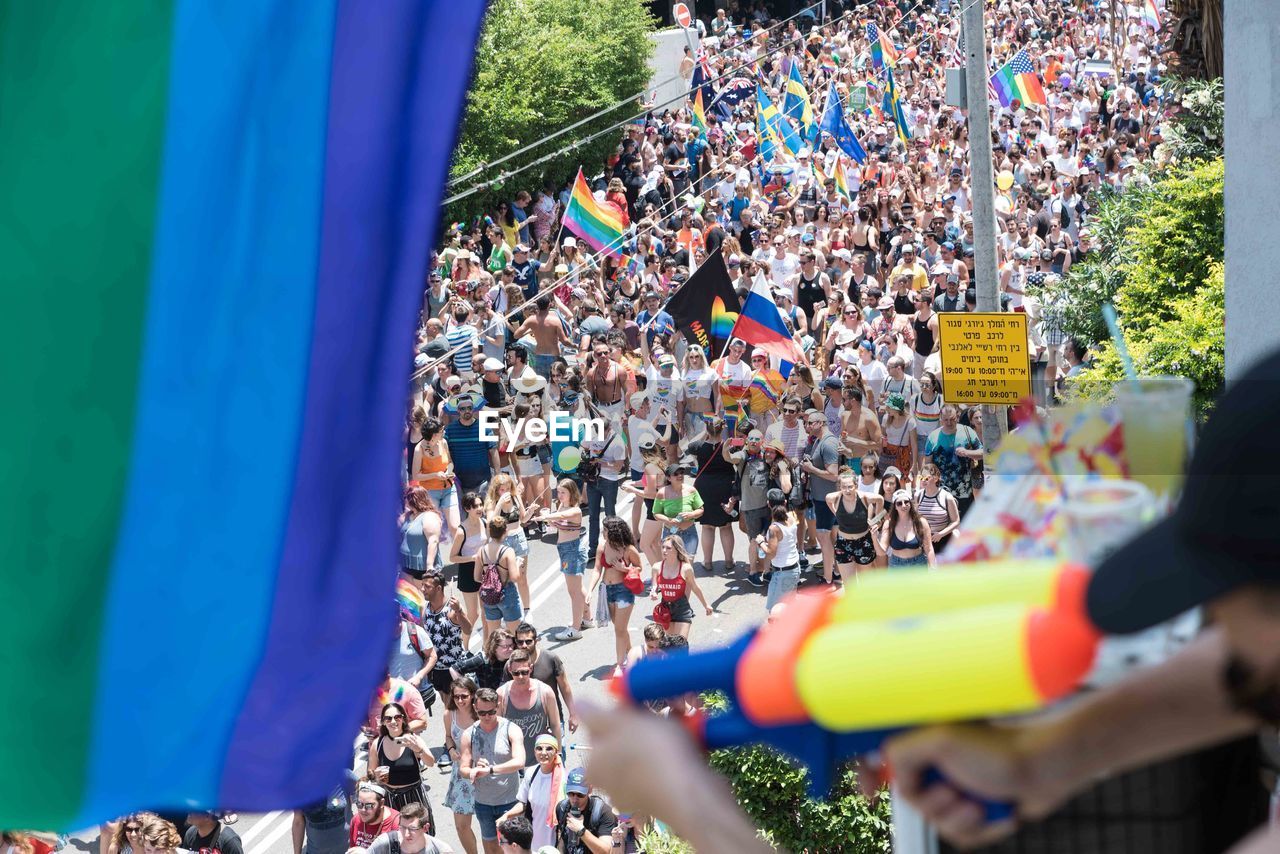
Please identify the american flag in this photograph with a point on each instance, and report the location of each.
(958, 53)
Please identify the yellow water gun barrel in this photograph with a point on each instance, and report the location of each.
(955, 665)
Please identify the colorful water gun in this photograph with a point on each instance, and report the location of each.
(832, 677)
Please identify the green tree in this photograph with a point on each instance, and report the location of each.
(771, 789)
(541, 65)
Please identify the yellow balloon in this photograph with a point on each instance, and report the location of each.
(569, 458)
(1004, 180)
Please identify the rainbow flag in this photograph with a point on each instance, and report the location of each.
(842, 182)
(699, 113)
(595, 223)
(410, 600)
(1151, 15)
(1017, 80)
(208, 256)
(882, 50)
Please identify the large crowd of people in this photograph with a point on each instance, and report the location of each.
(851, 460)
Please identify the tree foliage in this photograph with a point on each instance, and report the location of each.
(541, 65)
(1161, 266)
(772, 791)
(1197, 129)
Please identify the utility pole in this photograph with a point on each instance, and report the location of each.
(982, 189)
(1116, 48)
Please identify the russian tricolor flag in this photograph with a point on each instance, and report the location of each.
(760, 324)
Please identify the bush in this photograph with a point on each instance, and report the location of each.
(541, 65)
(1161, 266)
(772, 791)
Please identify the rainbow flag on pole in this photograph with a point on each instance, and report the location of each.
(209, 256)
(842, 182)
(1151, 15)
(1017, 79)
(882, 50)
(699, 113)
(595, 223)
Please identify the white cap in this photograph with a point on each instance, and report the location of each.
(569, 241)
(492, 364)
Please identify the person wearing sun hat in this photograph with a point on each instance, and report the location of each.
(1218, 549)
(541, 790)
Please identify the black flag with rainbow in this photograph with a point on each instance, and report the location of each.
(706, 307)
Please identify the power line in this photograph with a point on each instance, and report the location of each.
(484, 167)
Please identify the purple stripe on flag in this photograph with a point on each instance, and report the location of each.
(393, 112)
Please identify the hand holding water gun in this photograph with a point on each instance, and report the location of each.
(833, 677)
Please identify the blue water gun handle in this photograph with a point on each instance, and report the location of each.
(993, 811)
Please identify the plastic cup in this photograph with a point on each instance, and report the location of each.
(1155, 412)
(1103, 515)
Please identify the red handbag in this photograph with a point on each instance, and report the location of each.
(632, 581)
(662, 615)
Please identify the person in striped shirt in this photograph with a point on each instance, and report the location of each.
(463, 339)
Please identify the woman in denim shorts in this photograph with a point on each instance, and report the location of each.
(617, 555)
(567, 520)
(503, 499)
(496, 553)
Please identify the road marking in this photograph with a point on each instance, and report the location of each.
(258, 826)
(264, 844)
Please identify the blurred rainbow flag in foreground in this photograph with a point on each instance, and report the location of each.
(217, 217)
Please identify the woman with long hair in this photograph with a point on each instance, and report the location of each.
(906, 537)
(869, 479)
(671, 580)
(926, 409)
(396, 758)
(701, 390)
(460, 798)
(937, 505)
(854, 540)
(617, 557)
(159, 836)
(716, 483)
(468, 537)
(898, 448)
(419, 533)
(124, 836)
(541, 789)
(780, 474)
(524, 454)
(651, 482)
(496, 559)
(489, 666)
(432, 468)
(503, 499)
(678, 507)
(778, 545)
(571, 544)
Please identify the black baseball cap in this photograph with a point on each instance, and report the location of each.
(1225, 531)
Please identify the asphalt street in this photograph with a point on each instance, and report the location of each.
(589, 662)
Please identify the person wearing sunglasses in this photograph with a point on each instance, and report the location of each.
(906, 537)
(460, 797)
(396, 759)
(538, 793)
(411, 837)
(528, 703)
(492, 755)
(125, 835)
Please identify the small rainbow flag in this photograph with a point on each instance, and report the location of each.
(1017, 80)
(760, 385)
(699, 113)
(827, 64)
(411, 601)
(600, 226)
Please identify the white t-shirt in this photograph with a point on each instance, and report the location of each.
(699, 382)
(538, 795)
(664, 394)
(874, 373)
(639, 429)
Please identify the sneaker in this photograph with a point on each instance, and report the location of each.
(617, 671)
(570, 634)
(586, 624)
(804, 562)
(755, 579)
(444, 763)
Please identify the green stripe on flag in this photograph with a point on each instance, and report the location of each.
(83, 88)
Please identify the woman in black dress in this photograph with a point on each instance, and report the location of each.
(715, 483)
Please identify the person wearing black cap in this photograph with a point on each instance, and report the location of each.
(1220, 548)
